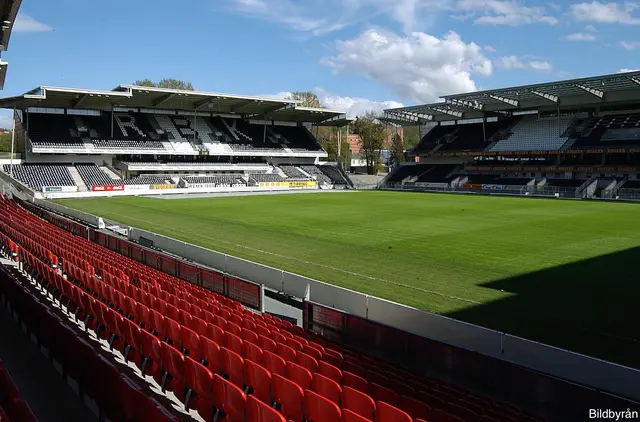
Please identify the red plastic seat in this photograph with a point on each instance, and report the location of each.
(173, 370)
(320, 409)
(257, 411)
(233, 342)
(286, 352)
(173, 312)
(185, 317)
(274, 363)
(257, 381)
(248, 335)
(307, 361)
(330, 371)
(216, 334)
(415, 408)
(387, 413)
(268, 344)
(210, 354)
(349, 416)
(199, 326)
(440, 415)
(294, 344)
(299, 374)
(289, 397)
(151, 354)
(229, 399)
(327, 388)
(252, 352)
(384, 394)
(354, 368)
(115, 324)
(199, 384)
(358, 402)
(465, 413)
(189, 342)
(354, 381)
(132, 340)
(144, 316)
(312, 351)
(234, 328)
(157, 324)
(232, 366)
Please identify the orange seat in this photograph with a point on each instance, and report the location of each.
(288, 396)
(387, 413)
(320, 409)
(258, 411)
(358, 402)
(257, 381)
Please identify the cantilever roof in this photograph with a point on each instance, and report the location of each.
(8, 13)
(132, 96)
(583, 92)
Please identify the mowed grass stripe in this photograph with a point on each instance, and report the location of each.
(555, 271)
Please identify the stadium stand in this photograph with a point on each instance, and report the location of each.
(293, 172)
(125, 144)
(93, 175)
(36, 176)
(334, 174)
(12, 407)
(221, 180)
(148, 179)
(204, 350)
(267, 178)
(608, 130)
(319, 174)
(533, 133)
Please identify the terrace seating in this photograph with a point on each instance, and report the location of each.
(127, 144)
(148, 179)
(532, 133)
(267, 178)
(62, 144)
(222, 180)
(564, 183)
(36, 176)
(609, 130)
(293, 172)
(334, 174)
(425, 173)
(92, 175)
(200, 345)
(319, 174)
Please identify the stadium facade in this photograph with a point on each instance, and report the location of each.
(574, 138)
(139, 140)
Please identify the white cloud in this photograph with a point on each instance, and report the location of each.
(418, 67)
(611, 12)
(510, 62)
(624, 70)
(489, 49)
(580, 36)
(354, 106)
(590, 28)
(507, 12)
(323, 16)
(25, 23)
(541, 66)
(630, 45)
(515, 62)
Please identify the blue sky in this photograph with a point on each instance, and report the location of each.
(356, 54)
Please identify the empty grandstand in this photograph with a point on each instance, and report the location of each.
(138, 147)
(575, 138)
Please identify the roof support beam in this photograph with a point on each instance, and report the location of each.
(268, 110)
(402, 115)
(163, 100)
(634, 79)
(550, 97)
(468, 104)
(79, 101)
(596, 92)
(203, 103)
(420, 115)
(237, 107)
(448, 111)
(505, 100)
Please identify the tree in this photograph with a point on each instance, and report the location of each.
(329, 138)
(306, 99)
(170, 83)
(397, 150)
(371, 140)
(411, 136)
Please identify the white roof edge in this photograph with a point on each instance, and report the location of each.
(321, 110)
(45, 88)
(203, 93)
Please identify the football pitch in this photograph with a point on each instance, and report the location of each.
(565, 273)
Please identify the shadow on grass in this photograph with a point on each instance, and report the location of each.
(589, 307)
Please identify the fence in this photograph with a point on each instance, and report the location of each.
(489, 189)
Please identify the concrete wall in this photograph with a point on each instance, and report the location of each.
(78, 215)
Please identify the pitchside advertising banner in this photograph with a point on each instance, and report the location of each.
(162, 186)
(107, 188)
(49, 189)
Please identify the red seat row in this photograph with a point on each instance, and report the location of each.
(12, 407)
(145, 316)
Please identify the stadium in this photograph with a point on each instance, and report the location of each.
(178, 255)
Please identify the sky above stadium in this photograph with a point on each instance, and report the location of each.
(355, 54)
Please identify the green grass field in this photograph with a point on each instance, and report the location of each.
(560, 272)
